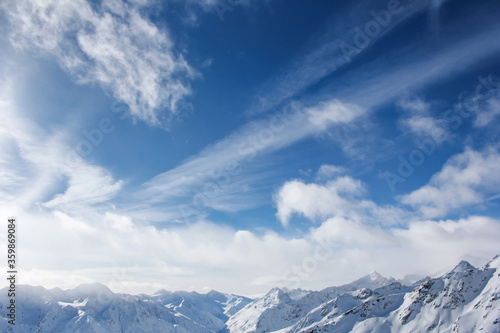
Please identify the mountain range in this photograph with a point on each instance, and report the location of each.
(466, 299)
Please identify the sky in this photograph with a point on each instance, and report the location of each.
(240, 145)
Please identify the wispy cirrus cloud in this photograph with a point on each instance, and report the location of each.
(110, 44)
(434, 14)
(330, 53)
(374, 86)
(227, 157)
(47, 163)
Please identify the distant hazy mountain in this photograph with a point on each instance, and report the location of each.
(94, 308)
(464, 300)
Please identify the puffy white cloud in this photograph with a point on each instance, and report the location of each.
(340, 197)
(464, 180)
(314, 201)
(109, 44)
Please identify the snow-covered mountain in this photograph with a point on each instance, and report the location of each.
(278, 309)
(466, 299)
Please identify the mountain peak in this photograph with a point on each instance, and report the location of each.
(275, 296)
(276, 292)
(375, 276)
(162, 292)
(215, 294)
(372, 281)
(462, 267)
(93, 288)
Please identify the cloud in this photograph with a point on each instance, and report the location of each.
(341, 197)
(111, 45)
(88, 185)
(434, 9)
(315, 201)
(463, 181)
(419, 121)
(204, 254)
(484, 103)
(327, 55)
(489, 112)
(332, 112)
(375, 85)
(181, 257)
(327, 171)
(47, 164)
(209, 4)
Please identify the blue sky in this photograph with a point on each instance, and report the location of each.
(240, 145)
